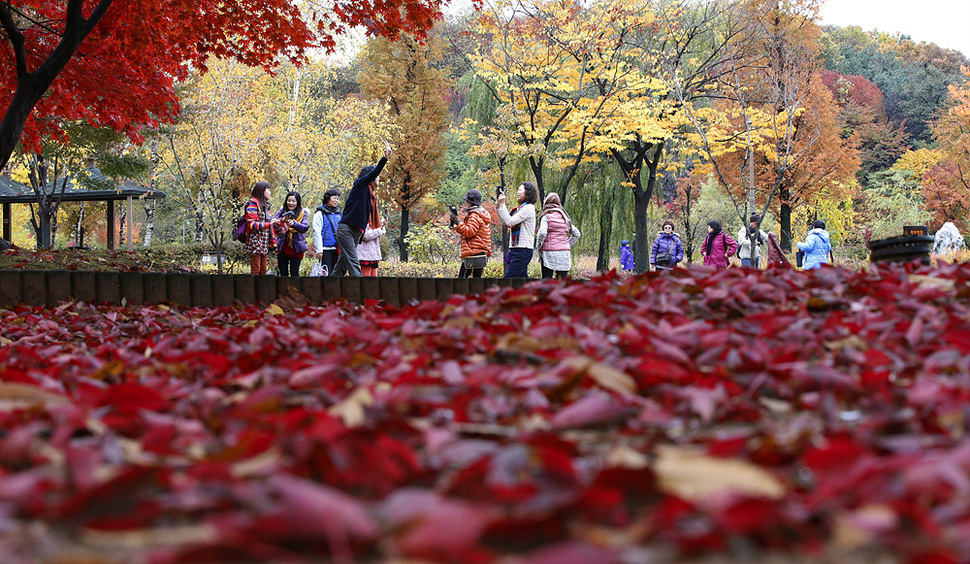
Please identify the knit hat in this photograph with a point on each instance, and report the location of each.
(473, 197)
(754, 217)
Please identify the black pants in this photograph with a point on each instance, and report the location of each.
(469, 272)
(550, 273)
(289, 266)
(329, 258)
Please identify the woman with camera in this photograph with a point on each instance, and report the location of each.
(476, 235)
(522, 223)
(291, 237)
(667, 248)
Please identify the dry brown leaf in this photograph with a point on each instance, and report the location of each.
(693, 475)
(351, 410)
(259, 465)
(862, 526)
(944, 284)
(622, 456)
(155, 537)
(605, 376)
(20, 396)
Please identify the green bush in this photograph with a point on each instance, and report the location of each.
(235, 261)
(432, 243)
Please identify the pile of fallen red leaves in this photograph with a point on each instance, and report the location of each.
(649, 419)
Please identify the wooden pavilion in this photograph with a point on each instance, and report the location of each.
(12, 192)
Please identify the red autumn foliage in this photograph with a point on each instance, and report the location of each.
(677, 414)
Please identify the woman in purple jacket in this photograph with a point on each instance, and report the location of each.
(667, 249)
(718, 246)
(291, 238)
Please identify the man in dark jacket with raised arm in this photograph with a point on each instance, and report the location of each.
(357, 212)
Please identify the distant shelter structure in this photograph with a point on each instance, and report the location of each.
(13, 192)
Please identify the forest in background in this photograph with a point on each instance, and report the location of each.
(633, 113)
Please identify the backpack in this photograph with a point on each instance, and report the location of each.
(240, 233)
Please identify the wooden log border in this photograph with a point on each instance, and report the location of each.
(51, 288)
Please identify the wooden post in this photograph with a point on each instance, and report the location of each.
(111, 225)
(131, 224)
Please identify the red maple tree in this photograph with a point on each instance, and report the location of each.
(113, 63)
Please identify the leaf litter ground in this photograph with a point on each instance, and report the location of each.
(691, 416)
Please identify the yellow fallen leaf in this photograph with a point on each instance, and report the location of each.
(693, 475)
(351, 410)
(274, 309)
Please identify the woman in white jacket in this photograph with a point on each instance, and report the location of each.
(522, 223)
(369, 249)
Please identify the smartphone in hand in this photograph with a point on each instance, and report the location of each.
(287, 215)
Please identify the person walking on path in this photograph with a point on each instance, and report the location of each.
(667, 249)
(325, 221)
(476, 236)
(291, 239)
(555, 239)
(259, 227)
(817, 246)
(626, 256)
(522, 223)
(718, 246)
(360, 209)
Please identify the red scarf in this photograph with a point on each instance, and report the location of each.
(374, 221)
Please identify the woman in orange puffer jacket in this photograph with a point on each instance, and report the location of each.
(476, 236)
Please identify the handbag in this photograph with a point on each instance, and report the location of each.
(319, 269)
(475, 261)
(799, 257)
(663, 259)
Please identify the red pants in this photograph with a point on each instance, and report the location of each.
(257, 264)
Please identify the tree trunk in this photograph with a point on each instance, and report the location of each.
(31, 86)
(149, 222)
(785, 219)
(536, 166)
(633, 170)
(123, 228)
(606, 231)
(44, 239)
(405, 226)
(641, 254)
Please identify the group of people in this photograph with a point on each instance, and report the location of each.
(554, 238)
(346, 242)
(668, 250)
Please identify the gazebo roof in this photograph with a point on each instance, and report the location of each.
(13, 192)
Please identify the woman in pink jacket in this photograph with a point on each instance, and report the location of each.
(718, 246)
(555, 238)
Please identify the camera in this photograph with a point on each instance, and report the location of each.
(453, 210)
(498, 191)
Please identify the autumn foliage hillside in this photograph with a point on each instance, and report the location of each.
(659, 418)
